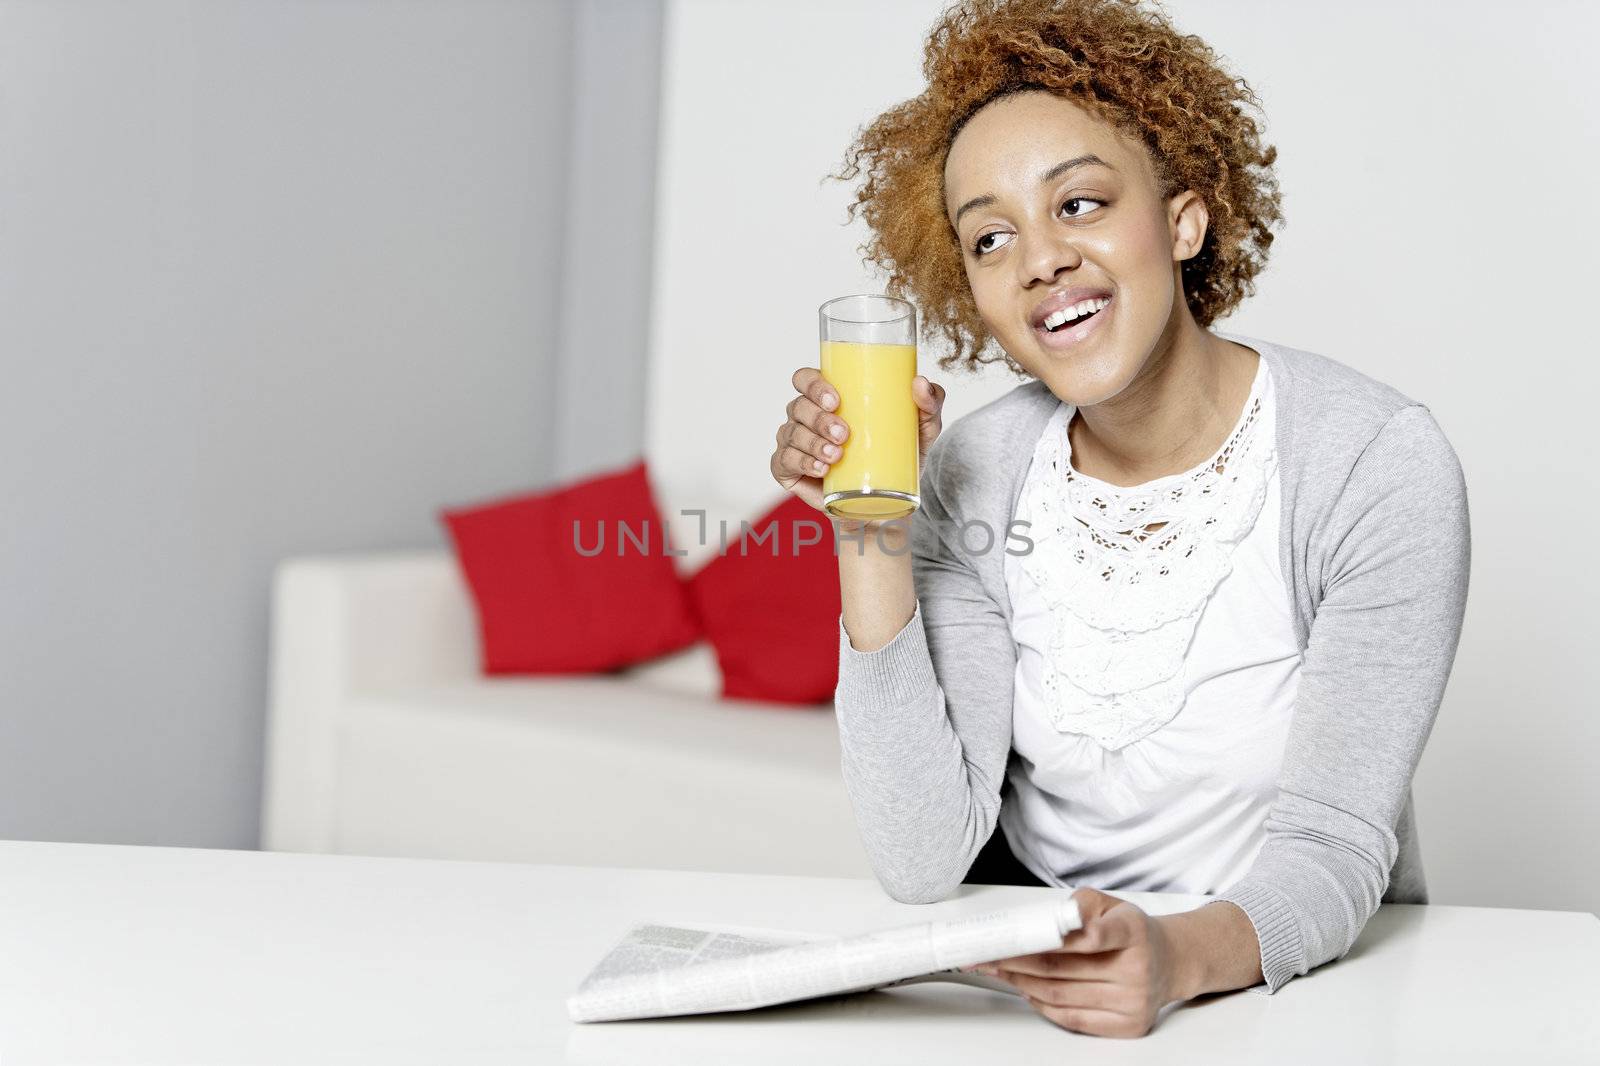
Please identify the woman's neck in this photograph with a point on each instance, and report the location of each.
(1173, 416)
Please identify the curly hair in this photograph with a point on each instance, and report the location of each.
(1122, 63)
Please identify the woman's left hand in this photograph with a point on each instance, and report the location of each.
(1109, 978)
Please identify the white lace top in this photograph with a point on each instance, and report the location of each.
(1156, 668)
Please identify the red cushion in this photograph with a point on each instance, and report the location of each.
(772, 611)
(544, 605)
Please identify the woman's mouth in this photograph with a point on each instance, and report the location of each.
(1072, 325)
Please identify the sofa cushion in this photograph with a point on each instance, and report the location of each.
(562, 582)
(770, 604)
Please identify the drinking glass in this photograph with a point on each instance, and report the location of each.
(869, 356)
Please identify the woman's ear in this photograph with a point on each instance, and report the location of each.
(1188, 219)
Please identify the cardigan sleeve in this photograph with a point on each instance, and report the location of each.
(1381, 645)
(925, 721)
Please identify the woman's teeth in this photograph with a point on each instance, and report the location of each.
(1073, 313)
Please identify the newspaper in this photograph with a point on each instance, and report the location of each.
(661, 970)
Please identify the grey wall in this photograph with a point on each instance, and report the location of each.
(608, 244)
(275, 278)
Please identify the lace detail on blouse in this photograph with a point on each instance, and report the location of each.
(1125, 599)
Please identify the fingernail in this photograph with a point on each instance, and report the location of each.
(836, 431)
(817, 465)
(831, 451)
(829, 400)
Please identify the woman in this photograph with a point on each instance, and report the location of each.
(1202, 640)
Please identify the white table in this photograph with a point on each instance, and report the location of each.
(163, 955)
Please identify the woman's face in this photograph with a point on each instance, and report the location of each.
(1052, 207)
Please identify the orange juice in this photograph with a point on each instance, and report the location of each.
(876, 476)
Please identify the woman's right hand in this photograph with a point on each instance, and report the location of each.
(809, 441)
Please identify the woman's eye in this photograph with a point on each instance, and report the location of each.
(981, 247)
(1080, 200)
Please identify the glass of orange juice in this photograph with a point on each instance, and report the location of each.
(869, 356)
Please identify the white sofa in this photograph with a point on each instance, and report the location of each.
(385, 739)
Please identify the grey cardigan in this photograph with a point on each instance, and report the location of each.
(1375, 550)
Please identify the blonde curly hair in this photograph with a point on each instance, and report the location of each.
(1121, 60)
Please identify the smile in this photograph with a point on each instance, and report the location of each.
(1071, 325)
(1074, 313)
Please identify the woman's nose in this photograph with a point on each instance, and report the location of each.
(1044, 256)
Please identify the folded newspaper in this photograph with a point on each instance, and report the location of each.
(661, 970)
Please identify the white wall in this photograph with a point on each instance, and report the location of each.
(275, 278)
(749, 240)
(1436, 174)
